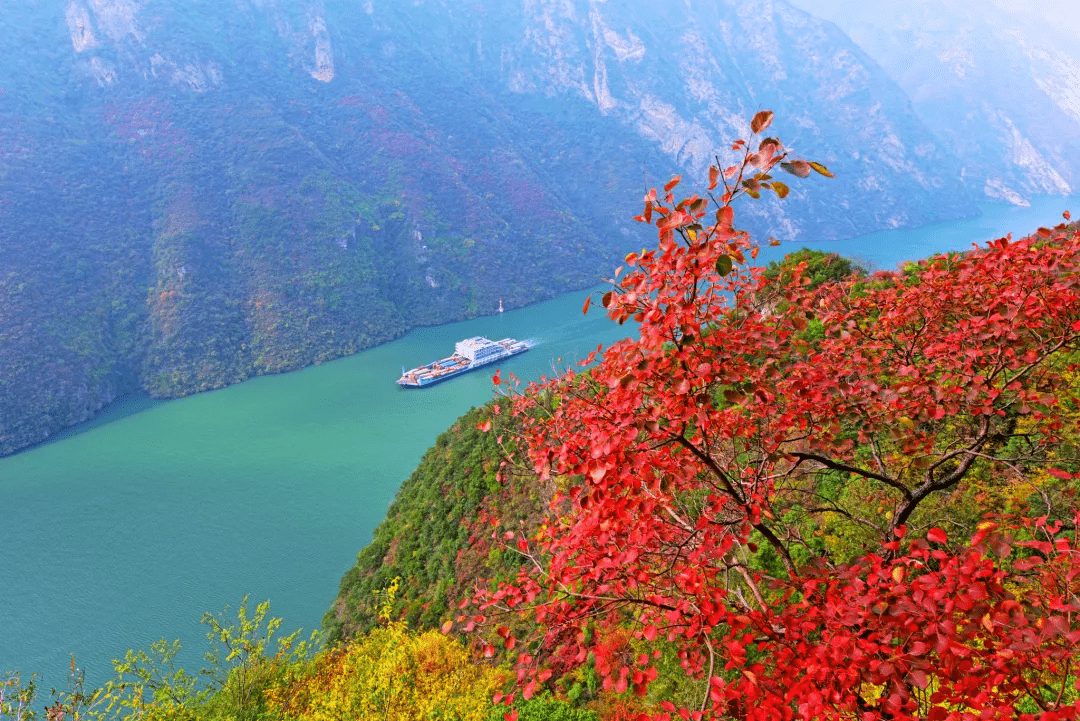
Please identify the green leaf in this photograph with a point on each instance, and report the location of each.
(723, 264)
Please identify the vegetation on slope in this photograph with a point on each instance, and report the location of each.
(437, 535)
(389, 673)
(425, 529)
(875, 520)
(194, 274)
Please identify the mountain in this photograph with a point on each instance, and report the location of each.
(997, 82)
(193, 193)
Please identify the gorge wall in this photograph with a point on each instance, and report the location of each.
(195, 193)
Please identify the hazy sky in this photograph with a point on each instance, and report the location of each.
(1057, 16)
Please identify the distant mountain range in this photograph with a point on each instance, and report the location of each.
(998, 82)
(192, 193)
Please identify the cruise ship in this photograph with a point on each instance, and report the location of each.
(469, 354)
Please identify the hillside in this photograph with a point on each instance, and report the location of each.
(437, 534)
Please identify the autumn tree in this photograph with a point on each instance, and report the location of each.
(770, 505)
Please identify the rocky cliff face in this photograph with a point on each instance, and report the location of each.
(195, 192)
(995, 81)
(687, 76)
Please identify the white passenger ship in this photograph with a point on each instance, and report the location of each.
(469, 354)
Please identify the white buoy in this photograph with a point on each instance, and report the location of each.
(500, 305)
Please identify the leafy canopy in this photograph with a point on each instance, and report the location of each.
(769, 505)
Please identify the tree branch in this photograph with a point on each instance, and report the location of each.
(837, 466)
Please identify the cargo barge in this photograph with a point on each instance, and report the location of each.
(469, 354)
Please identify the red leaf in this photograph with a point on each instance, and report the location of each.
(761, 120)
(1026, 564)
(937, 535)
(585, 308)
(799, 168)
(725, 217)
(673, 182)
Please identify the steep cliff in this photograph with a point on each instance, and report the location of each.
(194, 193)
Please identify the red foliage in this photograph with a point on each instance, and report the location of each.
(715, 430)
(149, 126)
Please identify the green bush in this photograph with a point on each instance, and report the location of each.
(543, 709)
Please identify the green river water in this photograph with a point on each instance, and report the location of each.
(126, 529)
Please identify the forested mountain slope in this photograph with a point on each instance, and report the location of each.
(194, 193)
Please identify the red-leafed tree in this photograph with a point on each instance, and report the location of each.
(758, 482)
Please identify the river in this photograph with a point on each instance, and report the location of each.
(128, 528)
